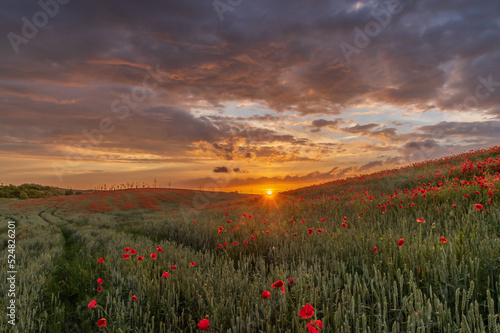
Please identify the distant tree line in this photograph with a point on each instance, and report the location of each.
(28, 191)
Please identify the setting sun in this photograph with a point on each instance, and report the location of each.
(269, 192)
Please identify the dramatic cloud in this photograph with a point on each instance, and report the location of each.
(125, 87)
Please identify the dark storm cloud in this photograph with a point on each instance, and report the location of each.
(221, 169)
(285, 55)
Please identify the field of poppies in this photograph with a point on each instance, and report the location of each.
(415, 249)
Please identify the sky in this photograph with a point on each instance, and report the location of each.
(245, 95)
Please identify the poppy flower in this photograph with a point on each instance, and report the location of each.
(133, 251)
(235, 243)
(92, 304)
(268, 232)
(295, 234)
(303, 221)
(127, 249)
(253, 237)
(126, 256)
(159, 249)
(443, 240)
(165, 275)
(310, 231)
(134, 298)
(226, 244)
(153, 255)
(101, 322)
(266, 294)
(344, 219)
(139, 258)
(245, 243)
(375, 249)
(174, 267)
(279, 284)
(290, 281)
(420, 220)
(193, 264)
(307, 311)
(344, 225)
(478, 206)
(99, 289)
(220, 246)
(314, 325)
(400, 242)
(99, 280)
(203, 324)
(101, 260)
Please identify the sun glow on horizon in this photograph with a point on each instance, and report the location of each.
(269, 192)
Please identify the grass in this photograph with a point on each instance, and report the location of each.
(242, 246)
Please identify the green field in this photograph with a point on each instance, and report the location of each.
(441, 274)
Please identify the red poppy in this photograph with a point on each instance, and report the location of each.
(266, 294)
(478, 206)
(99, 280)
(133, 251)
(291, 220)
(153, 255)
(268, 232)
(303, 221)
(344, 219)
(226, 244)
(127, 249)
(193, 264)
(253, 237)
(126, 256)
(174, 267)
(420, 220)
(383, 208)
(245, 243)
(279, 284)
(310, 231)
(320, 230)
(203, 324)
(443, 240)
(134, 298)
(159, 249)
(290, 281)
(140, 258)
(344, 225)
(235, 243)
(101, 260)
(101, 322)
(314, 325)
(99, 289)
(375, 249)
(165, 275)
(92, 304)
(220, 246)
(400, 242)
(295, 234)
(307, 311)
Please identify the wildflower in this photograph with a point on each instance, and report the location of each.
(420, 220)
(134, 298)
(313, 326)
(253, 238)
(99, 289)
(279, 284)
(310, 231)
(127, 249)
(478, 206)
(203, 324)
(344, 219)
(193, 264)
(153, 255)
(443, 240)
(101, 322)
(126, 256)
(268, 232)
(400, 242)
(320, 230)
(344, 225)
(99, 280)
(159, 249)
(245, 242)
(295, 234)
(165, 275)
(220, 246)
(307, 311)
(133, 251)
(92, 304)
(266, 294)
(101, 260)
(290, 281)
(235, 243)
(139, 258)
(174, 267)
(375, 249)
